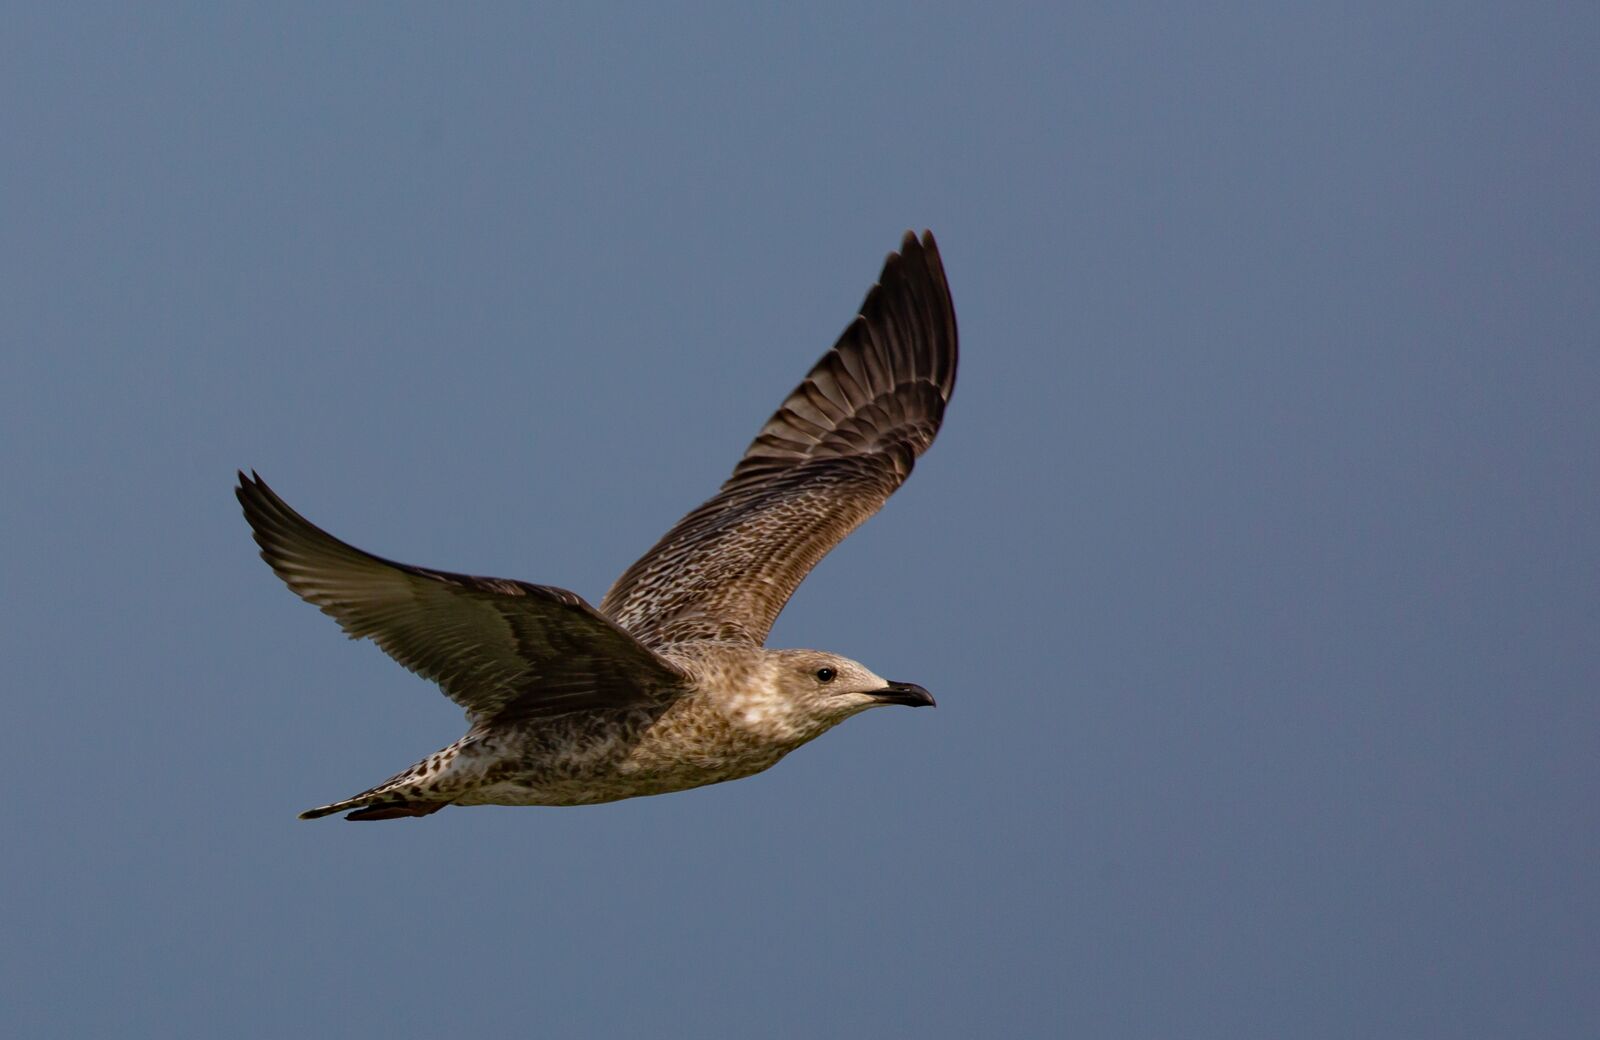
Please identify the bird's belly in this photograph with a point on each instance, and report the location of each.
(628, 778)
(585, 760)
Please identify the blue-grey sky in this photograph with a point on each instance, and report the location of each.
(1255, 569)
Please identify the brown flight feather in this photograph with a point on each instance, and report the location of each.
(828, 459)
(502, 649)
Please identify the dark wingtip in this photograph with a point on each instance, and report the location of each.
(250, 488)
(911, 242)
(254, 495)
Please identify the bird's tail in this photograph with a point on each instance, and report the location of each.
(407, 793)
(376, 804)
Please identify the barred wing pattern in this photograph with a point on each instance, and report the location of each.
(502, 649)
(828, 459)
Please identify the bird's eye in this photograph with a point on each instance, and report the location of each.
(825, 674)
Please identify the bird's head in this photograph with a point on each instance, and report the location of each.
(829, 689)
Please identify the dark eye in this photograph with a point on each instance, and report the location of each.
(825, 674)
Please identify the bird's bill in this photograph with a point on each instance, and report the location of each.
(907, 693)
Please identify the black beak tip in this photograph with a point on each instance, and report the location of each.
(907, 693)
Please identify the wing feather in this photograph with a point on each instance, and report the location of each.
(828, 459)
(500, 648)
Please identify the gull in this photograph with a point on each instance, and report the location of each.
(667, 685)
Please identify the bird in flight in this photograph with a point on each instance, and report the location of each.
(667, 685)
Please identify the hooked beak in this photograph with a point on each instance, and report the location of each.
(907, 693)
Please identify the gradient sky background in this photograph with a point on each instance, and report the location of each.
(1255, 569)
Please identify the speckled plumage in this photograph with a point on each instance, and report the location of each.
(667, 685)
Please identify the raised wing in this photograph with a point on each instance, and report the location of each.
(501, 649)
(839, 446)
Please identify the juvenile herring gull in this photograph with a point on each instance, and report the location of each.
(667, 685)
